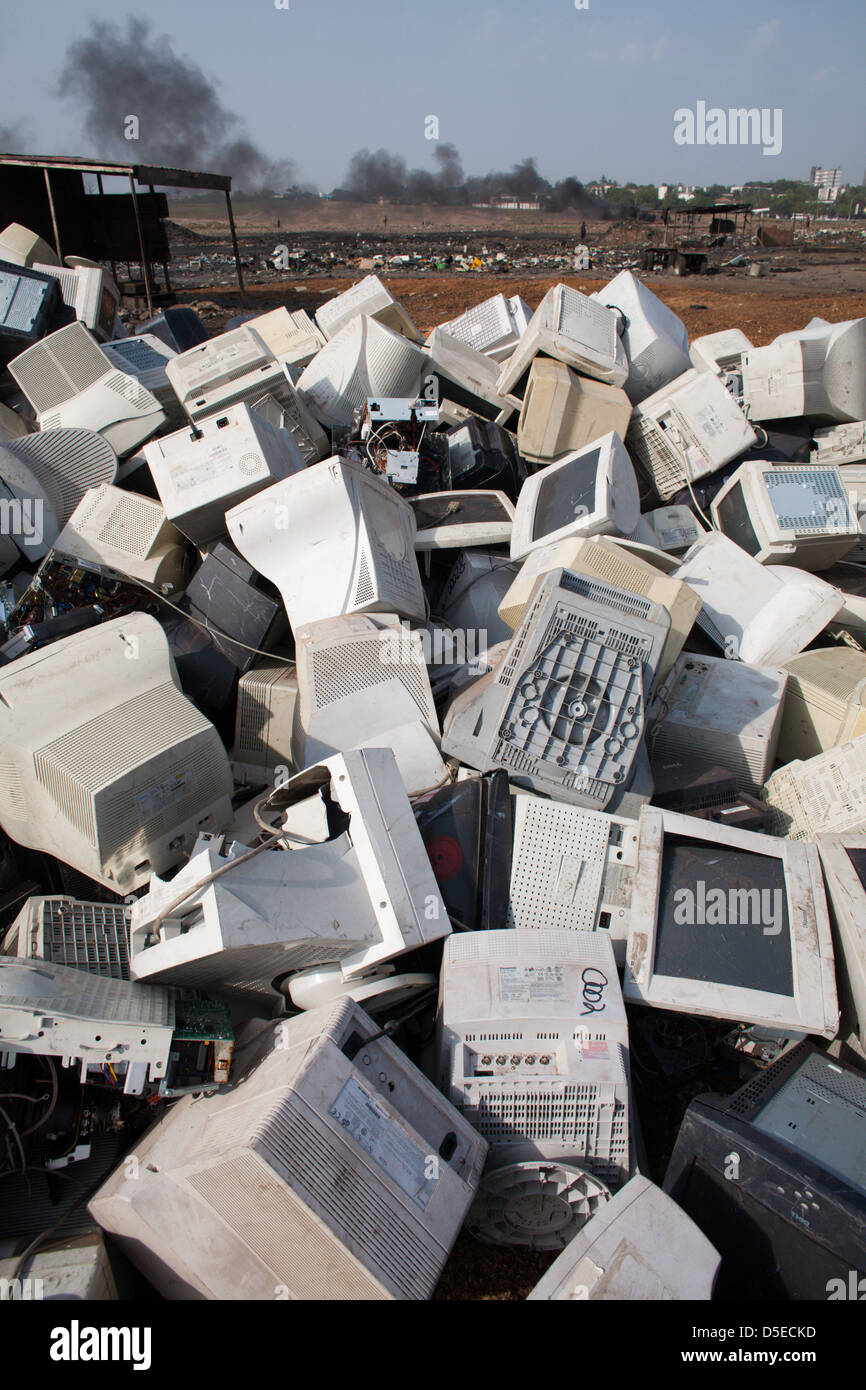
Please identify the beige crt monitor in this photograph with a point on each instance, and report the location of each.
(603, 560)
(826, 701)
(106, 763)
(562, 411)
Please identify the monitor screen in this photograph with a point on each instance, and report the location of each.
(723, 917)
(565, 495)
(858, 859)
(735, 521)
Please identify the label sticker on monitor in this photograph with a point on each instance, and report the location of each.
(166, 793)
(218, 459)
(387, 1144)
(526, 983)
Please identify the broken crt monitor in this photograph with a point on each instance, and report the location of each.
(563, 711)
(332, 1169)
(354, 889)
(729, 923)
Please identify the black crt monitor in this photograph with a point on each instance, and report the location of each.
(467, 833)
(775, 1177)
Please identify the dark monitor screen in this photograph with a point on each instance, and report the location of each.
(735, 521)
(566, 494)
(858, 859)
(764, 1256)
(723, 917)
(444, 509)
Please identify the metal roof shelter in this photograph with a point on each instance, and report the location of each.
(686, 221)
(151, 175)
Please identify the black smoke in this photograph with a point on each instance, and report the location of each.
(114, 72)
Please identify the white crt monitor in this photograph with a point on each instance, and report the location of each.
(844, 861)
(762, 614)
(264, 717)
(203, 470)
(825, 703)
(90, 292)
(587, 493)
(145, 356)
(721, 352)
(638, 1246)
(71, 384)
(532, 1047)
(824, 794)
(365, 359)
(466, 381)
(334, 539)
(493, 327)
(129, 534)
(20, 246)
(688, 429)
(227, 370)
(456, 520)
(600, 558)
(64, 931)
(291, 336)
(355, 888)
(797, 514)
(369, 296)
(231, 1204)
(655, 339)
(49, 473)
(108, 766)
(574, 329)
(727, 923)
(818, 370)
(362, 682)
(840, 444)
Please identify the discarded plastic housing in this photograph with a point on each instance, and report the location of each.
(265, 713)
(575, 330)
(796, 1127)
(794, 515)
(291, 336)
(840, 444)
(228, 370)
(532, 1048)
(90, 292)
(562, 411)
(368, 297)
(334, 539)
(676, 528)
(77, 1268)
(81, 935)
(364, 359)
(639, 1245)
(563, 710)
(12, 425)
(713, 712)
(28, 299)
(571, 869)
(109, 767)
(468, 380)
(720, 352)
(457, 520)
(853, 478)
(825, 702)
(587, 493)
(473, 591)
(823, 795)
(819, 370)
(494, 326)
(356, 889)
(539, 1205)
(231, 1205)
(688, 429)
(129, 534)
(466, 827)
(843, 858)
(55, 1011)
(71, 384)
(362, 682)
(655, 339)
(202, 471)
(762, 614)
(290, 414)
(178, 326)
(481, 454)
(145, 356)
(728, 923)
(20, 246)
(51, 472)
(598, 558)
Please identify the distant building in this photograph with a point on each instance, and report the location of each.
(511, 204)
(662, 191)
(828, 183)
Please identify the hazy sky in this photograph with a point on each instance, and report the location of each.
(586, 91)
